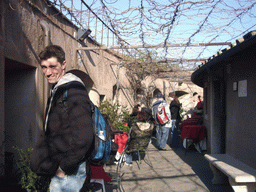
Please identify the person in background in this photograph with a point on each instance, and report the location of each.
(67, 142)
(199, 99)
(198, 110)
(136, 109)
(162, 131)
(141, 129)
(148, 111)
(175, 114)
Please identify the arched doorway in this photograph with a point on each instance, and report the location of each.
(89, 85)
(155, 92)
(88, 82)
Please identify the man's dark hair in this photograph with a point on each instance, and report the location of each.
(136, 108)
(53, 51)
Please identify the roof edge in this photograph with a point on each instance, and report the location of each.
(240, 44)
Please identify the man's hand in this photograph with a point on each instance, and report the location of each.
(60, 173)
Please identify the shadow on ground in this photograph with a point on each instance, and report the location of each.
(200, 166)
(192, 158)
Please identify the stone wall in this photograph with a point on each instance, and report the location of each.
(25, 29)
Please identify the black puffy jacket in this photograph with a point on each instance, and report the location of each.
(68, 137)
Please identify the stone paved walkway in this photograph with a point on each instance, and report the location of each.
(172, 171)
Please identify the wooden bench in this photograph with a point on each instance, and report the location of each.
(241, 177)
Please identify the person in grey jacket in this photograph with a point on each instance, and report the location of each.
(67, 141)
(162, 131)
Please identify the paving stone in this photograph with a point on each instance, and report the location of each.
(172, 171)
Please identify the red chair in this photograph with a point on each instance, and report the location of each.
(121, 140)
(98, 172)
(195, 132)
(196, 115)
(190, 121)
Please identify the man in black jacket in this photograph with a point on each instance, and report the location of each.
(175, 112)
(68, 132)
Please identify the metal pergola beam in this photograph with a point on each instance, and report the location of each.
(154, 46)
(182, 60)
(170, 60)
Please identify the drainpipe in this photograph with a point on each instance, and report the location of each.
(117, 83)
(47, 41)
(46, 29)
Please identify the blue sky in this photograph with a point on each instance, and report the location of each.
(214, 21)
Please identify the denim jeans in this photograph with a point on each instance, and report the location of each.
(69, 183)
(128, 158)
(174, 134)
(175, 124)
(162, 133)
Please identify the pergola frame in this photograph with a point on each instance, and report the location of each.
(154, 46)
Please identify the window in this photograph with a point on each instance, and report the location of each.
(102, 98)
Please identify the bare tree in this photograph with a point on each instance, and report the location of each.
(149, 22)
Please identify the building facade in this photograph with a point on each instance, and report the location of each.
(228, 80)
(25, 29)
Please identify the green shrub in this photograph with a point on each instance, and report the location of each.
(27, 176)
(117, 115)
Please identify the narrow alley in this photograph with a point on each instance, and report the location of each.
(172, 170)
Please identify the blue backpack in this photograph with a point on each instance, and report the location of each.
(102, 137)
(102, 144)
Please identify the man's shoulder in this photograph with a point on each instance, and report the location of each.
(72, 91)
(72, 85)
(163, 102)
(157, 102)
(173, 102)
